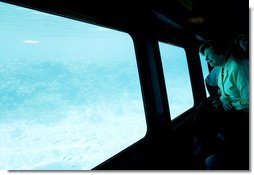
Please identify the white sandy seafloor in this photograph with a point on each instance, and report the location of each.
(66, 116)
(59, 117)
(80, 141)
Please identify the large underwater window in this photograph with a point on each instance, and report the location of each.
(177, 79)
(70, 95)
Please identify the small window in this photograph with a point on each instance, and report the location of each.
(70, 96)
(205, 70)
(177, 78)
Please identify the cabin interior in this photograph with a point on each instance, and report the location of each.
(168, 144)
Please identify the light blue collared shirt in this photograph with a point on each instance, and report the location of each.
(235, 83)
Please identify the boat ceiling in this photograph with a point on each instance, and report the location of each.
(205, 18)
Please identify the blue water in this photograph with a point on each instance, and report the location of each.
(70, 96)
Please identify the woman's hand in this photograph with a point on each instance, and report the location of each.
(227, 106)
(216, 103)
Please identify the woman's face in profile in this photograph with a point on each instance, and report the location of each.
(244, 43)
(212, 58)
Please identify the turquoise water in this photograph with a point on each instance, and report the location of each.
(70, 95)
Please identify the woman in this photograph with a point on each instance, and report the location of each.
(240, 48)
(221, 121)
(233, 78)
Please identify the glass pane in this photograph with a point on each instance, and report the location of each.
(205, 70)
(177, 79)
(70, 92)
